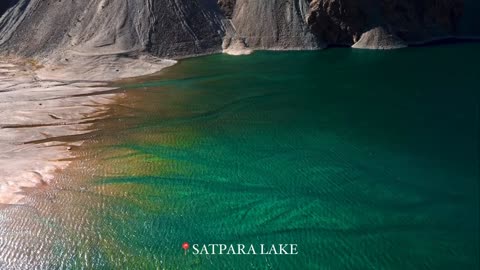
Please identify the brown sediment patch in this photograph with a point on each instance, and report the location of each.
(47, 111)
(59, 220)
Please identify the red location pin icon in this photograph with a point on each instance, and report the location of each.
(186, 246)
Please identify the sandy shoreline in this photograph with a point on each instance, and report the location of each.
(45, 110)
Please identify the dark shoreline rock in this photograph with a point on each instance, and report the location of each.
(343, 22)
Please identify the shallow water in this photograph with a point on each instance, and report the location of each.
(365, 159)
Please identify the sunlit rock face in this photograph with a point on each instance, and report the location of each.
(274, 24)
(175, 28)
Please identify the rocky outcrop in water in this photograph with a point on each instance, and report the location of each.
(175, 28)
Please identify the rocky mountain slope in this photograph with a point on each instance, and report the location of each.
(177, 28)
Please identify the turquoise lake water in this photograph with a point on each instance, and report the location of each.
(364, 159)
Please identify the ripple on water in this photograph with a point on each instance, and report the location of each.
(250, 150)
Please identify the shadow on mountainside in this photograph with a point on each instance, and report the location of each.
(5, 5)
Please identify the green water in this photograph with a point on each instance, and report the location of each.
(364, 159)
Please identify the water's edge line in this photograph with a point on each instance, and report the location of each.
(21, 180)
